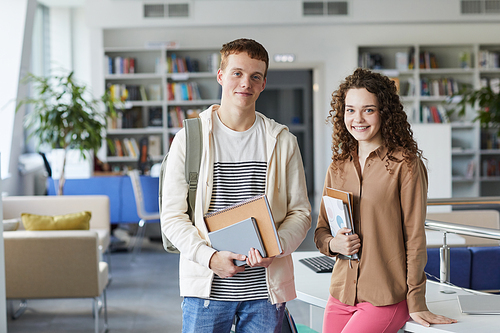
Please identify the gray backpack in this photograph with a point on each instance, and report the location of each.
(192, 167)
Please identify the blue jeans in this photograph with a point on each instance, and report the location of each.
(208, 316)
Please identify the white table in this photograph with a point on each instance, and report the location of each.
(312, 288)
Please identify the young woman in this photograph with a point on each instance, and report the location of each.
(376, 159)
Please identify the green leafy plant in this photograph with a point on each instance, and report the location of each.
(486, 102)
(65, 115)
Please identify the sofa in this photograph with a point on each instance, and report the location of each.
(57, 263)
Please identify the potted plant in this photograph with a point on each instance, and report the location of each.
(487, 103)
(65, 115)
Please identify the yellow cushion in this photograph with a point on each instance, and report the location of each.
(73, 221)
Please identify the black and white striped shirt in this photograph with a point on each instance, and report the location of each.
(239, 173)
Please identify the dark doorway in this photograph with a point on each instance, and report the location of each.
(288, 100)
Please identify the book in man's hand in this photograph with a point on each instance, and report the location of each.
(256, 207)
(238, 238)
(339, 210)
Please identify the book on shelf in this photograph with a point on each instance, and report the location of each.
(132, 118)
(238, 238)
(256, 207)
(345, 207)
(154, 143)
(433, 114)
(214, 62)
(488, 59)
(118, 148)
(182, 91)
(175, 116)
(155, 116)
(428, 60)
(120, 65)
(142, 91)
(154, 92)
(402, 61)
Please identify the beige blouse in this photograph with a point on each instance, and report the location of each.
(389, 212)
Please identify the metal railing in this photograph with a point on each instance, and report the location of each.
(464, 201)
(446, 227)
(444, 250)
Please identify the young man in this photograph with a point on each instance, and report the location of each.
(244, 154)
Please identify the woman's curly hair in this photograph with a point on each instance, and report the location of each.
(395, 129)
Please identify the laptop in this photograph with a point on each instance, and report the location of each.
(479, 304)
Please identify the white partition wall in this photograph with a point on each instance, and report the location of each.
(435, 142)
(3, 308)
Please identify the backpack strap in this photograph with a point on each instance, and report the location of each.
(193, 159)
(192, 167)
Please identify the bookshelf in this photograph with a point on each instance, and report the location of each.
(157, 88)
(427, 76)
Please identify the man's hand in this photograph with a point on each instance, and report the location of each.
(345, 244)
(222, 263)
(426, 318)
(254, 259)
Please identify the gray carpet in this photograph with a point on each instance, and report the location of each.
(143, 296)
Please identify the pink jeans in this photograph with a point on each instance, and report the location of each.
(363, 317)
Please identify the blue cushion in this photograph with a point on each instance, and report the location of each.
(460, 265)
(485, 268)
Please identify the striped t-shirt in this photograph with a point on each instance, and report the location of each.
(239, 173)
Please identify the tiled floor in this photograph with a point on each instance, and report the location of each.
(142, 297)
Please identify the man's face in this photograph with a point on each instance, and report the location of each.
(242, 81)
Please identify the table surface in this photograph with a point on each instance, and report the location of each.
(312, 288)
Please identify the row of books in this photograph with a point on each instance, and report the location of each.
(176, 115)
(427, 60)
(177, 64)
(126, 92)
(433, 114)
(131, 118)
(493, 83)
(183, 91)
(370, 60)
(491, 167)
(120, 65)
(488, 59)
(439, 87)
(489, 140)
(128, 147)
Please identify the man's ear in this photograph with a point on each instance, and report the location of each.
(219, 76)
(264, 84)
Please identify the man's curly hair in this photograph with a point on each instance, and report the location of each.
(395, 129)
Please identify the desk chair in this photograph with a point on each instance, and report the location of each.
(141, 212)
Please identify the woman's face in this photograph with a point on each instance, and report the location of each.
(362, 116)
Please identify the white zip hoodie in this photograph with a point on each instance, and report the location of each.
(285, 189)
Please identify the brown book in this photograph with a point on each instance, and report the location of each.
(346, 198)
(256, 207)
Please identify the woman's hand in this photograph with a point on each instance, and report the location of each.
(254, 259)
(426, 318)
(345, 244)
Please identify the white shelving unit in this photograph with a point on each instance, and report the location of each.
(427, 77)
(154, 108)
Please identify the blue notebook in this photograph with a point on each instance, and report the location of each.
(238, 238)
